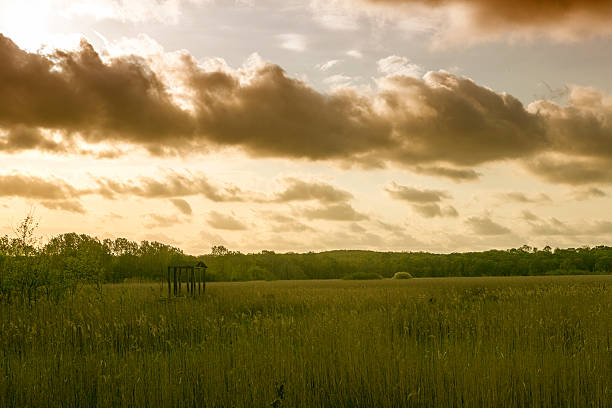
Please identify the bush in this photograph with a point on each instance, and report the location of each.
(402, 275)
(362, 276)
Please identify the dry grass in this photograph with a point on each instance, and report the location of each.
(522, 341)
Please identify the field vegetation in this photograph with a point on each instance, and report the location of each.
(504, 341)
(362, 276)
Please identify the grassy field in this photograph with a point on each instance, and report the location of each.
(523, 341)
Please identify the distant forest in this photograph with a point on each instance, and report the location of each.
(89, 259)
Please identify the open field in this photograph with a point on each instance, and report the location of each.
(521, 341)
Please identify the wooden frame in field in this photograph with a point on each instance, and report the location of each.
(194, 279)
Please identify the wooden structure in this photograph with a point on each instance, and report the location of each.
(193, 277)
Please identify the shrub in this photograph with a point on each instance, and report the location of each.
(402, 275)
(362, 276)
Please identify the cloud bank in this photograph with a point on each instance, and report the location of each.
(438, 124)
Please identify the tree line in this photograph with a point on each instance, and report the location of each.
(228, 265)
(30, 269)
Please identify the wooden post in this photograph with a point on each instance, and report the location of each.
(180, 272)
(190, 273)
(203, 280)
(192, 281)
(174, 286)
(169, 286)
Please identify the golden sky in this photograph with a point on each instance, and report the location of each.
(309, 125)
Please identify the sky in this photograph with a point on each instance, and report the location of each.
(309, 125)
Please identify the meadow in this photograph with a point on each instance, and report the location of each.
(500, 341)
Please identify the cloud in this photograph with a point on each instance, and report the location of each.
(529, 216)
(440, 124)
(224, 222)
(182, 205)
(334, 212)
(464, 19)
(394, 228)
(588, 193)
(24, 186)
(435, 210)
(571, 171)
(519, 197)
(442, 117)
(299, 190)
(552, 227)
(328, 65)
(283, 223)
(172, 185)
(423, 202)
(601, 227)
(395, 65)
(212, 239)
(456, 175)
(74, 206)
(78, 92)
(415, 195)
(333, 15)
(485, 226)
(354, 227)
(581, 127)
(161, 221)
(556, 227)
(296, 121)
(24, 138)
(338, 80)
(355, 54)
(292, 42)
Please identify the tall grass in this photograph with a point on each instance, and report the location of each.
(539, 341)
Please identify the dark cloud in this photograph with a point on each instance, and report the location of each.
(180, 185)
(182, 205)
(423, 202)
(171, 185)
(442, 117)
(224, 222)
(334, 212)
(299, 190)
(24, 138)
(415, 120)
(588, 193)
(519, 197)
(571, 171)
(75, 91)
(439, 125)
(295, 120)
(485, 226)
(415, 195)
(74, 206)
(582, 127)
(491, 15)
(17, 185)
(457, 175)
